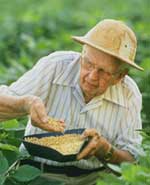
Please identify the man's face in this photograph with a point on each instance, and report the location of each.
(98, 72)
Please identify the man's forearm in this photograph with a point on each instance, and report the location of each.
(17, 106)
(102, 149)
(118, 156)
(12, 106)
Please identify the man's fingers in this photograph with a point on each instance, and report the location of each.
(85, 153)
(62, 123)
(40, 119)
(40, 122)
(34, 118)
(40, 110)
(37, 121)
(90, 149)
(47, 126)
(42, 115)
(90, 133)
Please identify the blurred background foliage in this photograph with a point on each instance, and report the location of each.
(30, 29)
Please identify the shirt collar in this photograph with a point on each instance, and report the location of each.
(116, 95)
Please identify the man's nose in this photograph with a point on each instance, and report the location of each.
(94, 74)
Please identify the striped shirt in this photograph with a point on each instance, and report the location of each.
(115, 114)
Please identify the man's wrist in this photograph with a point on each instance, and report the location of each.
(109, 154)
(27, 102)
(105, 153)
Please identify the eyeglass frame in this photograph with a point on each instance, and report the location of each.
(100, 70)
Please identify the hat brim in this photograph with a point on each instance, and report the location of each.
(83, 40)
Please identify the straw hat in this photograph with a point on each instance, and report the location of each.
(114, 38)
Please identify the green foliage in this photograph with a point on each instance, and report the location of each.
(111, 179)
(42, 180)
(26, 173)
(32, 29)
(2, 180)
(8, 147)
(14, 173)
(10, 172)
(131, 174)
(3, 163)
(135, 173)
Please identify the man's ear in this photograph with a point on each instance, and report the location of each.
(120, 76)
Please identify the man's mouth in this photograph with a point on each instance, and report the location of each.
(93, 86)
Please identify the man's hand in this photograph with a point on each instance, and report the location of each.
(39, 118)
(96, 146)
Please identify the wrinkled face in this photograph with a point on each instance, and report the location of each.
(98, 72)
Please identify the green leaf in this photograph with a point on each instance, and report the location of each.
(114, 168)
(10, 124)
(134, 173)
(3, 164)
(111, 179)
(129, 172)
(11, 156)
(8, 147)
(145, 64)
(3, 136)
(2, 180)
(42, 180)
(26, 173)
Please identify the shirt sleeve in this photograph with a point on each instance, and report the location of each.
(35, 81)
(129, 138)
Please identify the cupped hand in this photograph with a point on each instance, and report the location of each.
(39, 118)
(96, 145)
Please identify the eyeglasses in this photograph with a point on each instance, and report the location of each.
(90, 67)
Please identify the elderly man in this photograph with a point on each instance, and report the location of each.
(89, 90)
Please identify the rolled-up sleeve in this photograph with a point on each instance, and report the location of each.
(129, 138)
(34, 82)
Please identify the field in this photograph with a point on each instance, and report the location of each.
(32, 29)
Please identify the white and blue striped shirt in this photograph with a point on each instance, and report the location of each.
(115, 114)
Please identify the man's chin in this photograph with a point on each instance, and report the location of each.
(93, 92)
(90, 92)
